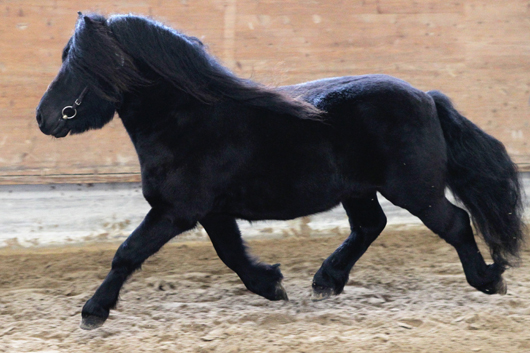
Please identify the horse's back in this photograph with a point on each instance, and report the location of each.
(380, 108)
(379, 92)
(388, 130)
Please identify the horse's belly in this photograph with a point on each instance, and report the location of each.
(281, 212)
(270, 201)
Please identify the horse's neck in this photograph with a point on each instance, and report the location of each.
(149, 107)
(162, 115)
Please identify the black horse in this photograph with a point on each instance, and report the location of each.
(214, 148)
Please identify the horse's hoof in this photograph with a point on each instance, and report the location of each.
(281, 294)
(321, 293)
(92, 322)
(502, 287)
(499, 288)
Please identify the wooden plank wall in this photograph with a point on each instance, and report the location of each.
(477, 52)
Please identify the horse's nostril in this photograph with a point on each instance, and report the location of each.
(39, 118)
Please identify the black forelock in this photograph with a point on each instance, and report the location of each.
(66, 49)
(99, 60)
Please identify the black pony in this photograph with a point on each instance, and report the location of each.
(214, 148)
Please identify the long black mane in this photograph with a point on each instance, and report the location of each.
(111, 56)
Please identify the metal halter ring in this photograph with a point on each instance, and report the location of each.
(66, 117)
(77, 103)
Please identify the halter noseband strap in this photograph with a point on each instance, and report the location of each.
(73, 108)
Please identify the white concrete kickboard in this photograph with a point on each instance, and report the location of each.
(43, 215)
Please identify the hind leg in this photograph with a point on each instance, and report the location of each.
(452, 224)
(367, 221)
(260, 278)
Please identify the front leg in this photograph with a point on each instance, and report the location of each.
(158, 227)
(258, 277)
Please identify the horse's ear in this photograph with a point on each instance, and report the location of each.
(79, 14)
(88, 21)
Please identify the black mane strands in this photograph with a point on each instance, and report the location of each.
(184, 62)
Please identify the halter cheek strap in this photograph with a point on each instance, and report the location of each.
(72, 109)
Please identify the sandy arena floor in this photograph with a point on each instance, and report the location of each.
(407, 294)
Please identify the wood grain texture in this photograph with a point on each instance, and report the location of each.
(477, 52)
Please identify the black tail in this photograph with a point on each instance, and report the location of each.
(483, 177)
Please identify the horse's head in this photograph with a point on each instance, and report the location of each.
(94, 74)
(68, 105)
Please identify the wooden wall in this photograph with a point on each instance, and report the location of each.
(477, 52)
